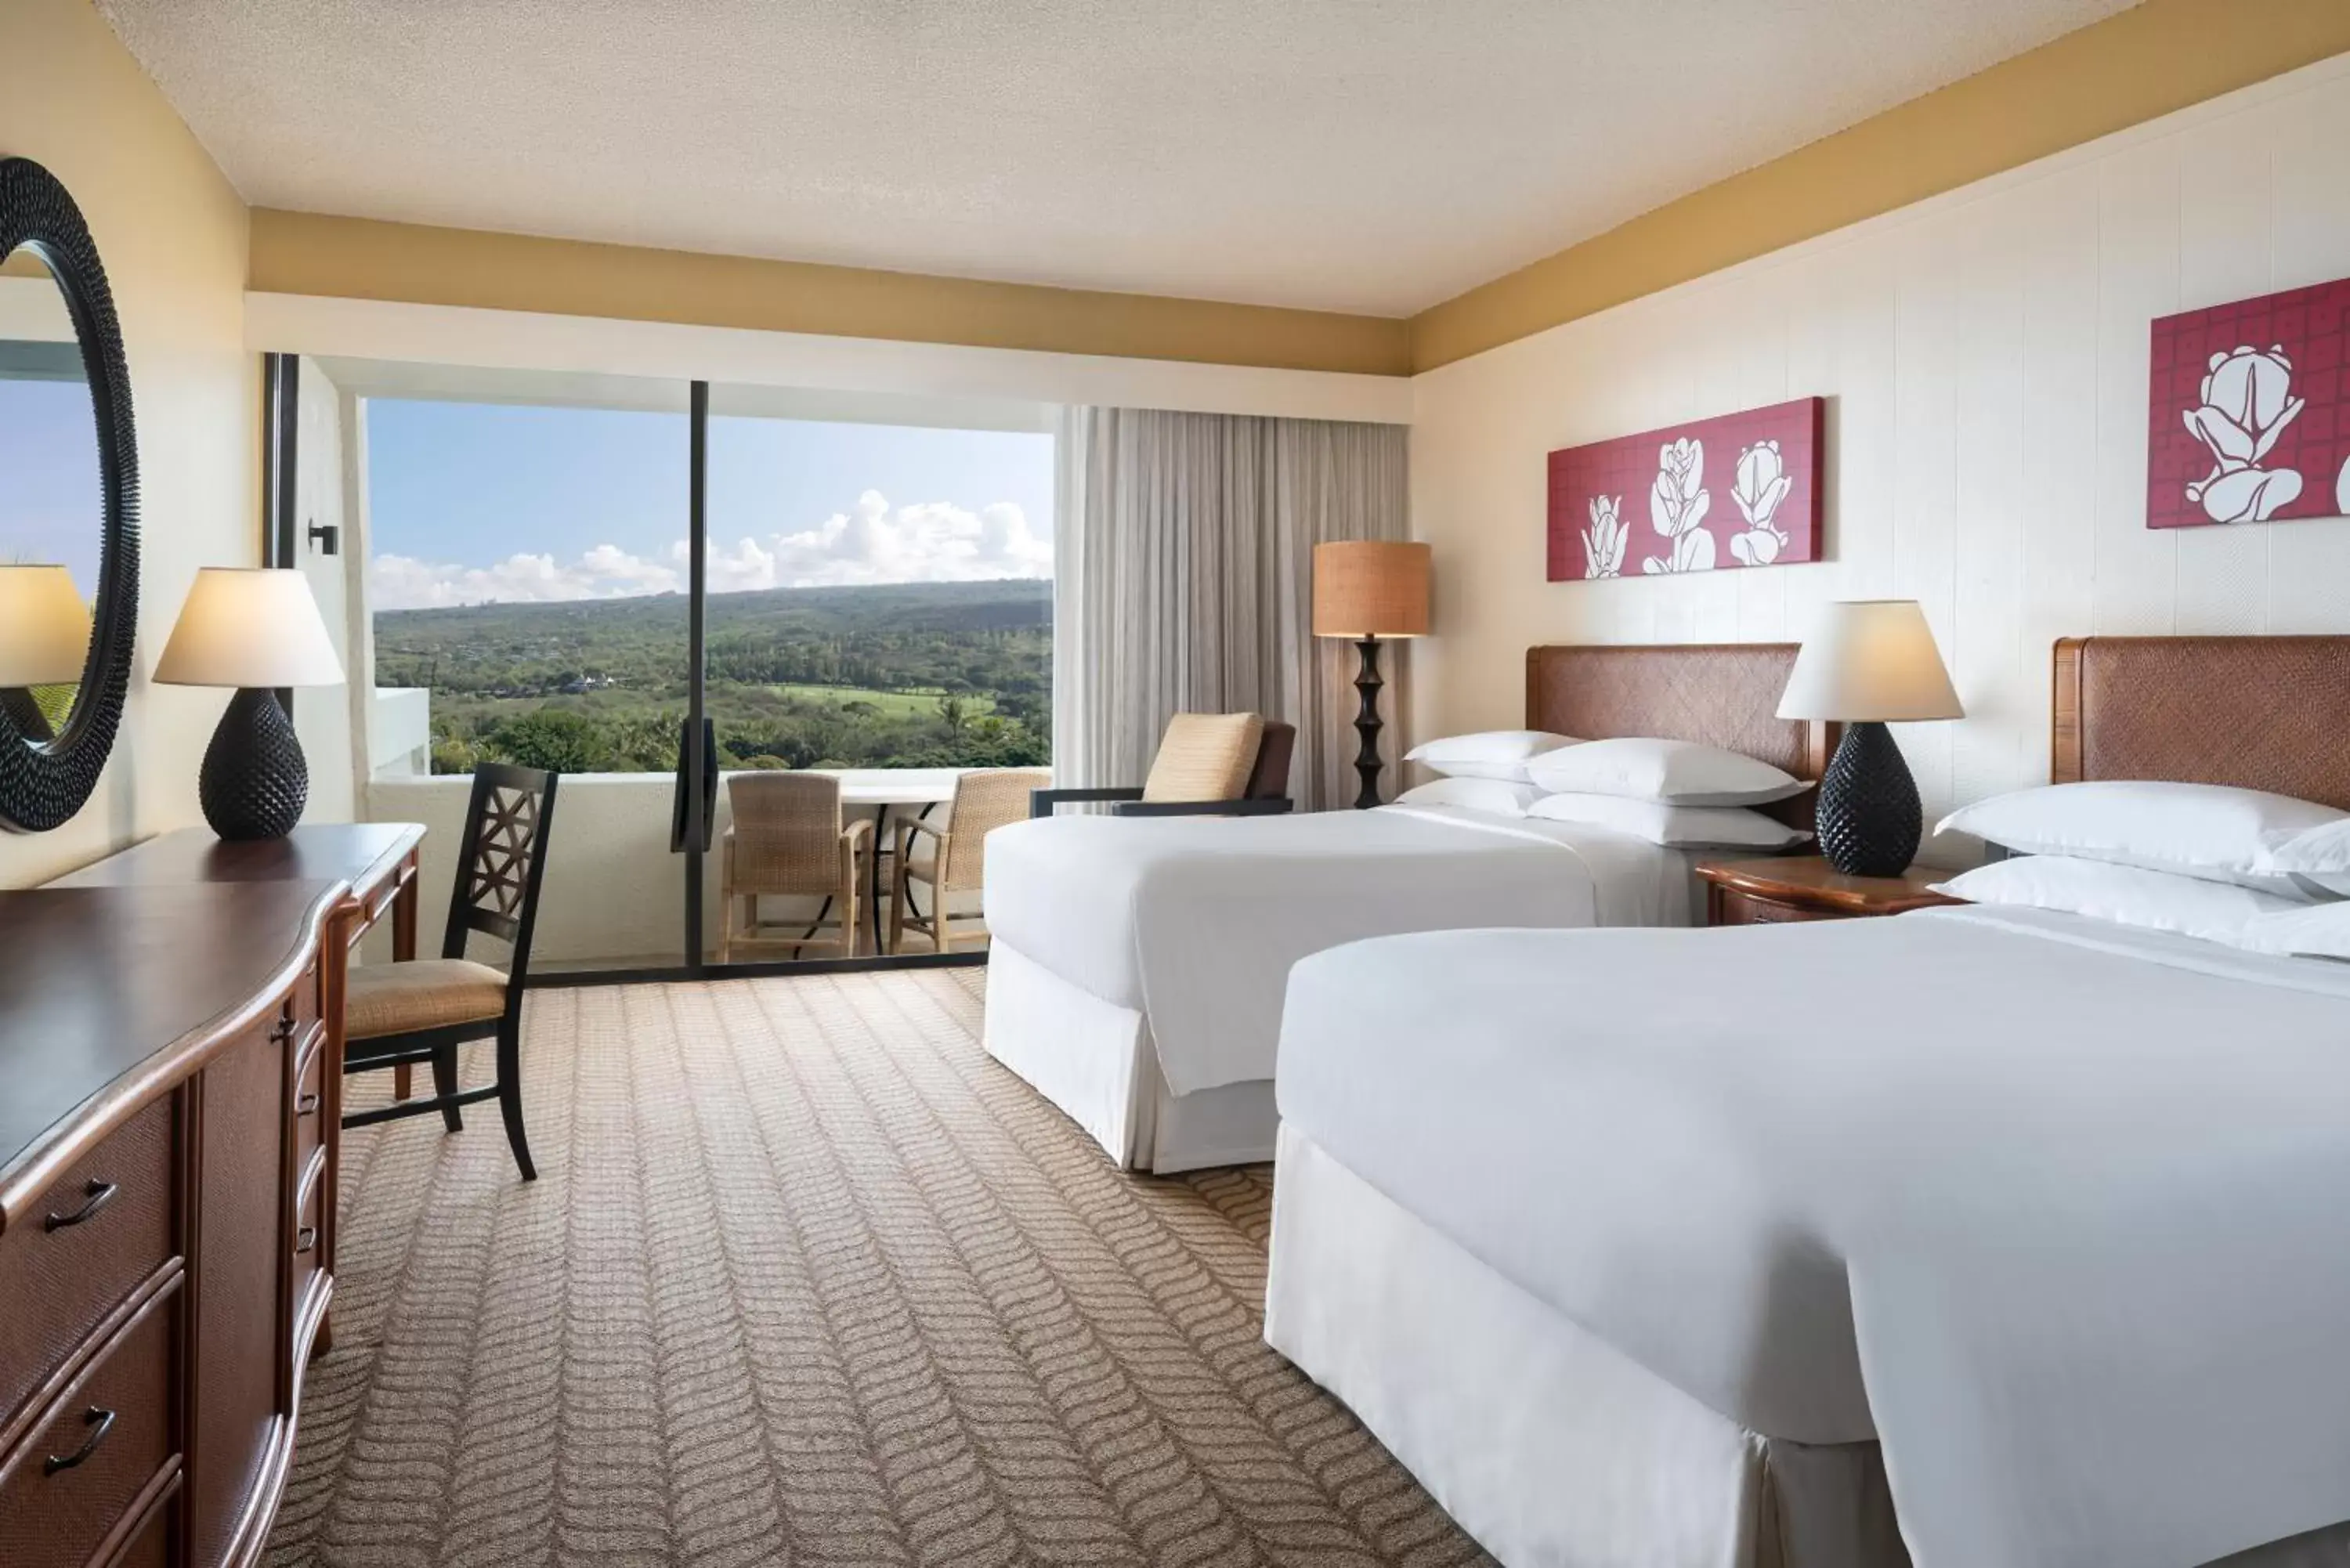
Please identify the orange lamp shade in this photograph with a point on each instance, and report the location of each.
(1370, 588)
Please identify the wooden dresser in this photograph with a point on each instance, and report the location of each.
(170, 1084)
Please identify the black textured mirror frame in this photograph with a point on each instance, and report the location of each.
(44, 781)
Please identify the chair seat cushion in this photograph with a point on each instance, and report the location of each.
(429, 993)
(1204, 756)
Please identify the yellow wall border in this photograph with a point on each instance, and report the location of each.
(2156, 57)
(358, 259)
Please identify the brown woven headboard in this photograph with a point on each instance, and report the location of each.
(1723, 694)
(2259, 712)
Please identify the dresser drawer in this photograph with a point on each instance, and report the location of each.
(99, 1232)
(308, 1250)
(309, 1093)
(90, 1464)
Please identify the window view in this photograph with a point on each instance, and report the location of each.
(880, 595)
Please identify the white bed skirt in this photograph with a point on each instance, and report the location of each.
(1543, 1441)
(1546, 1444)
(1094, 1061)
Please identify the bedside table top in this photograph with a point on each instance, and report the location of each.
(1809, 880)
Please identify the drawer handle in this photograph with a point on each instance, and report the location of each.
(306, 1104)
(304, 1239)
(99, 1422)
(283, 1032)
(96, 1196)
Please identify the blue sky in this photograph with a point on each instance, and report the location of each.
(471, 502)
(50, 480)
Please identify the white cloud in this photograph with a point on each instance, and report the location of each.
(929, 542)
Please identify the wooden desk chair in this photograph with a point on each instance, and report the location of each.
(1209, 764)
(398, 1014)
(984, 800)
(788, 840)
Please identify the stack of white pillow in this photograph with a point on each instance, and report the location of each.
(2242, 867)
(1673, 793)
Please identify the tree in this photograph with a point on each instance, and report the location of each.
(556, 740)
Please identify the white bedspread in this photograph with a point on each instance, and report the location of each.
(1194, 921)
(2090, 1189)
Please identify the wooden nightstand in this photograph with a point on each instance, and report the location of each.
(1807, 888)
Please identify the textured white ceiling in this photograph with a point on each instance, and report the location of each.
(1362, 155)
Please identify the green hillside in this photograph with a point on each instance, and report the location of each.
(902, 675)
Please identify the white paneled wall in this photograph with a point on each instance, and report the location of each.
(1985, 357)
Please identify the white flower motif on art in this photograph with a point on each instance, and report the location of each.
(1677, 507)
(1763, 484)
(1604, 541)
(2248, 402)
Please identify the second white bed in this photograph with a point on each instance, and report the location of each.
(1137, 967)
(1634, 1244)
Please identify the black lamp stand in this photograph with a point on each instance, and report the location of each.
(254, 780)
(1367, 725)
(1870, 819)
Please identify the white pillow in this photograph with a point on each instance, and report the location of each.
(2317, 859)
(1674, 826)
(1499, 797)
(2211, 831)
(1678, 772)
(2126, 895)
(2309, 930)
(1487, 754)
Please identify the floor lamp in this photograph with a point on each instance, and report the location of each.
(1366, 589)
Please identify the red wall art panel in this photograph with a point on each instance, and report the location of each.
(2250, 411)
(1740, 489)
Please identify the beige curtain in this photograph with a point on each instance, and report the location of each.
(1183, 562)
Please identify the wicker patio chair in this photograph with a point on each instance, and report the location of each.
(984, 800)
(789, 841)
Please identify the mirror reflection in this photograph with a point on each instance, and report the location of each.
(51, 500)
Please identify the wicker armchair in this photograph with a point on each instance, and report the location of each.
(1209, 764)
(788, 840)
(984, 800)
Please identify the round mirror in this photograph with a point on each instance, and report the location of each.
(52, 504)
(68, 506)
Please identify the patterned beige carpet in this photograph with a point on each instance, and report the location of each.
(807, 1278)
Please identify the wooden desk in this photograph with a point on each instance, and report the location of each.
(378, 859)
(172, 1032)
(164, 1187)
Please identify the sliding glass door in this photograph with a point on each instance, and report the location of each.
(879, 623)
(847, 599)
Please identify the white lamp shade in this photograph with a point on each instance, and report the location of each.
(44, 627)
(249, 627)
(1870, 660)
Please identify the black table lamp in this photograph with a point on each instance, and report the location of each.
(254, 630)
(1365, 589)
(1867, 662)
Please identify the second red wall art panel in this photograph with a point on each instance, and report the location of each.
(2250, 411)
(1738, 490)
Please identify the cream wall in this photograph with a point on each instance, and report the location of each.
(1985, 357)
(324, 715)
(173, 234)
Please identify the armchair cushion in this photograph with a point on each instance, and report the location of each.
(429, 993)
(1204, 756)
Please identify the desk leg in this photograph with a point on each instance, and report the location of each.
(403, 951)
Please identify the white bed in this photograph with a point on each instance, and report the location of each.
(1729, 1249)
(1135, 968)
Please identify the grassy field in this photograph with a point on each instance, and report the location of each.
(888, 702)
